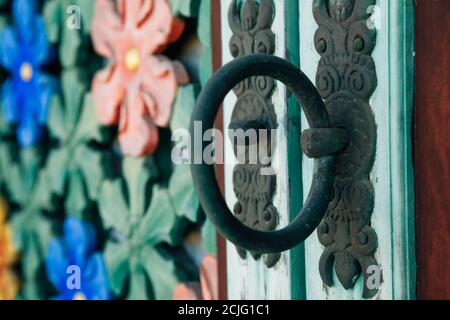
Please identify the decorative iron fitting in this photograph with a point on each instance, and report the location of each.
(251, 25)
(346, 79)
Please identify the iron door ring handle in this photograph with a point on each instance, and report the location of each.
(215, 207)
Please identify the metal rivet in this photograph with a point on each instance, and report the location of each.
(362, 238)
(322, 45)
(237, 208)
(267, 215)
(358, 44)
(323, 227)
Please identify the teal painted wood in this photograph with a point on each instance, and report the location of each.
(185, 8)
(294, 149)
(204, 32)
(392, 174)
(402, 104)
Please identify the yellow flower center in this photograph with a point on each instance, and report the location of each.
(79, 296)
(133, 59)
(26, 72)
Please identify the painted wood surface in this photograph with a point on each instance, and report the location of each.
(66, 177)
(392, 174)
(216, 44)
(432, 148)
(250, 279)
(294, 156)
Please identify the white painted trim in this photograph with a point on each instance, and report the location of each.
(249, 279)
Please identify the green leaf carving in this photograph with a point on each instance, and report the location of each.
(22, 168)
(73, 43)
(141, 216)
(204, 34)
(32, 233)
(75, 169)
(185, 8)
(181, 189)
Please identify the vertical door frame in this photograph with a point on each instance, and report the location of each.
(432, 148)
(216, 42)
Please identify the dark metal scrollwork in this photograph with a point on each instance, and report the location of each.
(251, 25)
(346, 79)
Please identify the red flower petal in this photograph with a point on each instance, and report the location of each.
(159, 86)
(187, 291)
(108, 91)
(209, 278)
(155, 32)
(106, 24)
(138, 135)
(150, 86)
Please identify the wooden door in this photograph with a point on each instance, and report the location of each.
(432, 148)
(295, 275)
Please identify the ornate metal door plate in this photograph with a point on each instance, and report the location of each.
(346, 79)
(251, 25)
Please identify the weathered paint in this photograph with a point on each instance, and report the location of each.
(250, 279)
(392, 175)
(297, 276)
(298, 288)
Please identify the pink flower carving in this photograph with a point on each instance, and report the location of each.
(207, 289)
(138, 87)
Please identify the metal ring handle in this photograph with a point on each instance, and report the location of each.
(203, 174)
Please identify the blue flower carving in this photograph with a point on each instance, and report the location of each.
(24, 51)
(73, 267)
